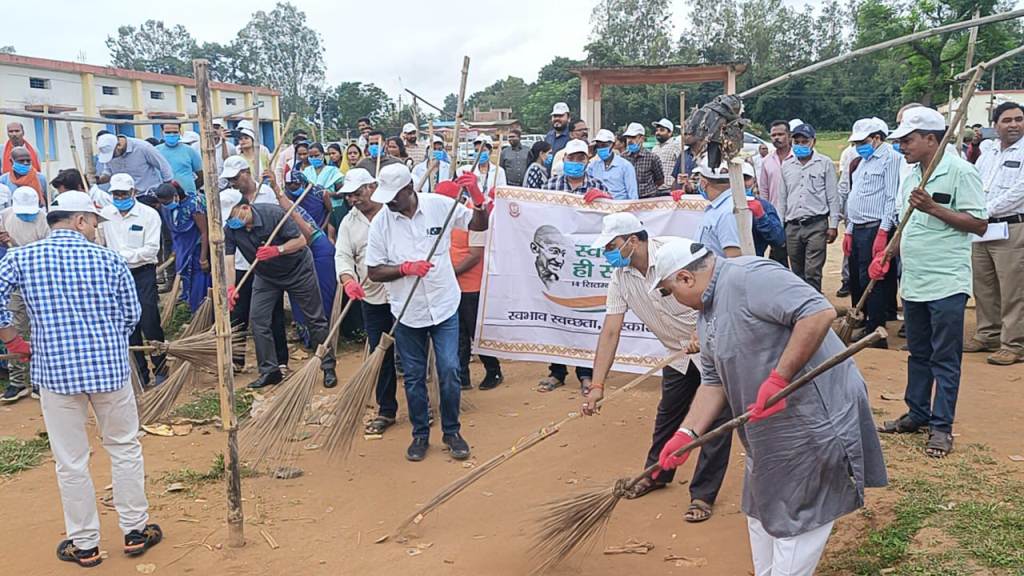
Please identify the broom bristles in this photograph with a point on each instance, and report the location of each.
(158, 402)
(348, 411)
(201, 349)
(573, 523)
(202, 320)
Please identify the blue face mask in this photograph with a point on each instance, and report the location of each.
(439, 155)
(896, 146)
(484, 157)
(548, 160)
(573, 169)
(801, 150)
(27, 217)
(604, 153)
(172, 139)
(616, 259)
(235, 223)
(374, 150)
(21, 169)
(749, 192)
(171, 205)
(702, 192)
(316, 162)
(337, 202)
(632, 147)
(865, 150)
(124, 204)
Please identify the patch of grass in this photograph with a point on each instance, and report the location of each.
(831, 144)
(193, 479)
(181, 316)
(18, 455)
(206, 405)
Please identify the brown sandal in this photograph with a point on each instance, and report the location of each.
(699, 511)
(644, 487)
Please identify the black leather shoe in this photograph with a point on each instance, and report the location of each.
(330, 378)
(843, 291)
(417, 450)
(491, 381)
(457, 445)
(268, 379)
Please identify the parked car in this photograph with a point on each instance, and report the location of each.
(751, 143)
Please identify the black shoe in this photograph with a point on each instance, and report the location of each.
(268, 379)
(457, 445)
(465, 383)
(843, 291)
(330, 378)
(68, 552)
(417, 450)
(13, 394)
(491, 381)
(138, 541)
(902, 332)
(882, 344)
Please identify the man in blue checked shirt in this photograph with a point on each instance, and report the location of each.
(617, 173)
(82, 308)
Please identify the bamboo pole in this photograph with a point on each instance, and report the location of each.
(74, 155)
(222, 323)
(431, 168)
(744, 218)
(459, 111)
(972, 41)
(258, 142)
(989, 64)
(280, 145)
(102, 120)
(90, 165)
(46, 154)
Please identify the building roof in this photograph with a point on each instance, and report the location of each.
(662, 73)
(122, 73)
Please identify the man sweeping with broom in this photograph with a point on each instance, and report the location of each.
(810, 456)
(412, 239)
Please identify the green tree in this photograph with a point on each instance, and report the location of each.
(639, 30)
(7, 49)
(511, 92)
(345, 103)
(153, 47)
(451, 105)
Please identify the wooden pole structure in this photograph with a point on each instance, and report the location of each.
(46, 154)
(102, 120)
(258, 141)
(682, 140)
(459, 110)
(221, 322)
(90, 166)
(989, 65)
(415, 114)
(971, 42)
(744, 219)
(74, 154)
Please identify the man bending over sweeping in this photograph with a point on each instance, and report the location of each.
(810, 456)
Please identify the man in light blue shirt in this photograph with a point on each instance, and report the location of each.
(718, 231)
(616, 172)
(185, 162)
(139, 159)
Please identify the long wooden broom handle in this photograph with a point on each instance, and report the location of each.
(890, 248)
(273, 234)
(728, 427)
(280, 145)
(321, 350)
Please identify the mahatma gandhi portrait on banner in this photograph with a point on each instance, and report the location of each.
(550, 247)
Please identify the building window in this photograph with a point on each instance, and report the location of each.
(39, 83)
(154, 95)
(110, 90)
(194, 98)
(231, 101)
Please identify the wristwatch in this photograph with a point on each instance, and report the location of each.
(280, 249)
(688, 432)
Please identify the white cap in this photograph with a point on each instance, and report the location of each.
(437, 140)
(575, 146)
(635, 129)
(866, 127)
(614, 225)
(244, 125)
(484, 139)
(233, 165)
(229, 198)
(794, 123)
(409, 127)
(25, 200)
(189, 137)
(748, 169)
(559, 109)
(355, 178)
(248, 132)
(121, 182)
(105, 145)
(75, 201)
(604, 136)
(919, 118)
(722, 173)
(219, 122)
(675, 255)
(391, 179)
(666, 124)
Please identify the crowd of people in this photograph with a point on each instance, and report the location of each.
(387, 223)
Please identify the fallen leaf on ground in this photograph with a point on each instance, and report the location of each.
(1016, 458)
(145, 568)
(630, 547)
(686, 561)
(159, 430)
(175, 487)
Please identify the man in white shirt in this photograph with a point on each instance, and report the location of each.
(442, 173)
(488, 175)
(132, 229)
(997, 264)
(222, 148)
(399, 253)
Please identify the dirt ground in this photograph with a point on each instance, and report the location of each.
(327, 520)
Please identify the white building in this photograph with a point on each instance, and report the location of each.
(979, 109)
(56, 86)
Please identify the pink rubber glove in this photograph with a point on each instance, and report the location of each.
(879, 267)
(847, 243)
(354, 290)
(677, 194)
(265, 253)
(468, 181)
(666, 460)
(755, 208)
(232, 298)
(415, 268)
(18, 345)
(595, 194)
(881, 241)
(770, 387)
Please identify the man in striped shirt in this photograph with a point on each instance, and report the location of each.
(632, 254)
(869, 215)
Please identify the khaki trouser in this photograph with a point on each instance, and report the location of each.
(999, 290)
(19, 371)
(65, 416)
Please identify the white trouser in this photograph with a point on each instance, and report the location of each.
(118, 420)
(793, 556)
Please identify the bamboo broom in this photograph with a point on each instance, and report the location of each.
(158, 402)
(573, 522)
(855, 316)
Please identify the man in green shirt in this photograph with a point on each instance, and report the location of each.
(936, 254)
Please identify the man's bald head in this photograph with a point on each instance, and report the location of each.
(16, 133)
(548, 234)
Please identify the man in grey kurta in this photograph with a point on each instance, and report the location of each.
(809, 458)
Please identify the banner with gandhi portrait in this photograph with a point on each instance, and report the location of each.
(542, 298)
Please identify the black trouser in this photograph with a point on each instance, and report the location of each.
(779, 254)
(149, 323)
(166, 240)
(877, 306)
(354, 321)
(378, 320)
(240, 319)
(303, 293)
(677, 392)
(467, 324)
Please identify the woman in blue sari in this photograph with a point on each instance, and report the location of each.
(185, 215)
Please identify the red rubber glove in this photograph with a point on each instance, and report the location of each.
(354, 290)
(879, 267)
(595, 194)
(265, 253)
(755, 208)
(677, 194)
(415, 268)
(847, 243)
(232, 297)
(468, 181)
(881, 241)
(770, 387)
(666, 460)
(18, 345)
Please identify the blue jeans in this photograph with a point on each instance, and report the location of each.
(412, 348)
(378, 320)
(935, 338)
